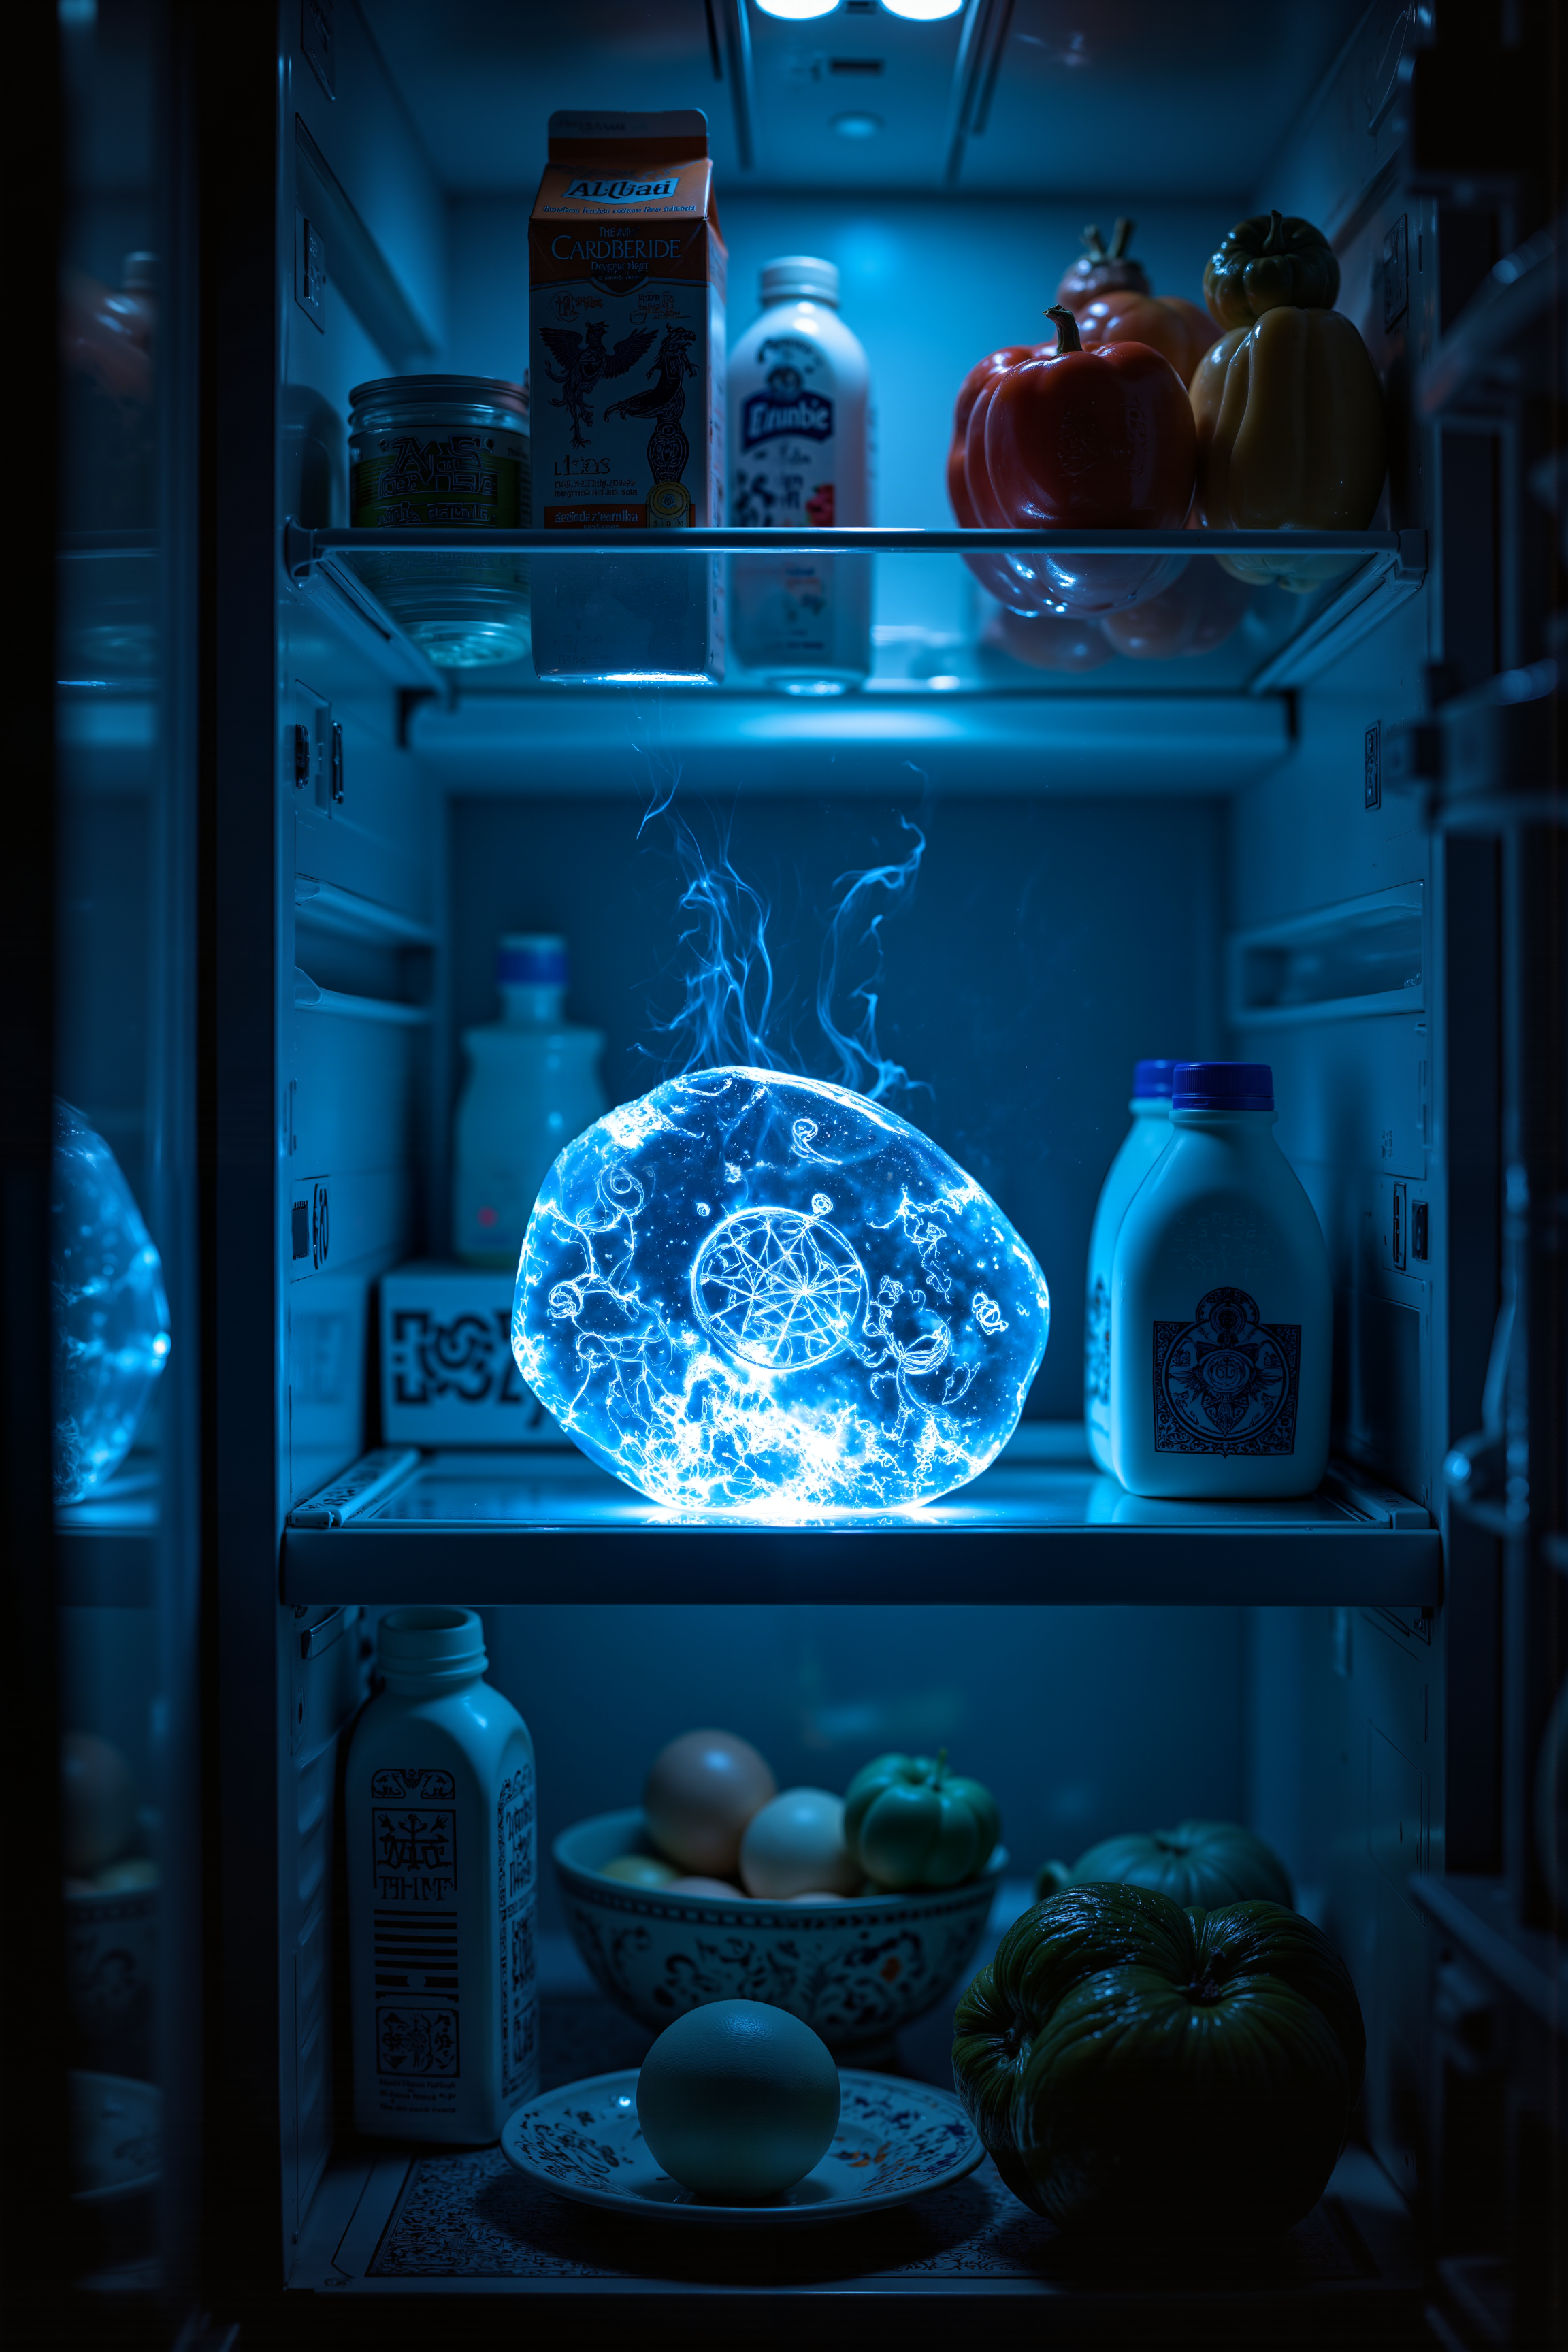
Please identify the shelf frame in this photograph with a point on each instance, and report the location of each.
(1392, 567)
(583, 1539)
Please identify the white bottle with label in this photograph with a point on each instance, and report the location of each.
(532, 1086)
(1221, 1310)
(800, 460)
(441, 1837)
(1141, 1147)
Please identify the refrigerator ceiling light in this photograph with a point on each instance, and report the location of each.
(856, 126)
(923, 12)
(797, 11)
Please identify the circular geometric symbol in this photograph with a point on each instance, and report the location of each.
(1227, 1376)
(779, 1290)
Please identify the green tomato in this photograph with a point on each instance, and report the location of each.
(1206, 1863)
(911, 1824)
(1134, 2067)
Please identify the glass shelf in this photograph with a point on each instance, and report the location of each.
(549, 1525)
(900, 614)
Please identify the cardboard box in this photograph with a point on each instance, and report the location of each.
(626, 268)
(447, 1374)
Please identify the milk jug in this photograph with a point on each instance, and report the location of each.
(1141, 1146)
(532, 1085)
(1221, 1313)
(800, 461)
(441, 1837)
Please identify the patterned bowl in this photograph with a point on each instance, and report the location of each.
(855, 1971)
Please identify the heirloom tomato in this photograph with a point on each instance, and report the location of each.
(1144, 2073)
(1202, 1863)
(911, 1822)
(1179, 330)
(1271, 260)
(1102, 268)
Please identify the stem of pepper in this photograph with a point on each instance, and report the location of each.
(1123, 239)
(1275, 240)
(940, 1765)
(1092, 245)
(1068, 338)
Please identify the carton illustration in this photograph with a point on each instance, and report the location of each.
(627, 270)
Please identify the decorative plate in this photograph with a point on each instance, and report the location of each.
(894, 2140)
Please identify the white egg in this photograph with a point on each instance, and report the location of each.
(795, 1846)
(701, 1791)
(738, 2100)
(98, 1801)
(640, 1870)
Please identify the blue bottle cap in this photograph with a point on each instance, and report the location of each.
(1223, 1086)
(1150, 1078)
(531, 959)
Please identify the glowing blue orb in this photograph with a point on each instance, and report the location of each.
(110, 1316)
(747, 1293)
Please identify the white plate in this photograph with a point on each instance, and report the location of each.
(894, 2140)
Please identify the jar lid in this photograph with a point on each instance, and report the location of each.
(1152, 1078)
(431, 1645)
(432, 391)
(800, 278)
(531, 958)
(1223, 1086)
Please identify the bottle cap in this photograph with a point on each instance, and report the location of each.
(531, 959)
(1150, 1078)
(139, 273)
(798, 278)
(1223, 1086)
(431, 1646)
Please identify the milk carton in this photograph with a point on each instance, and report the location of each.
(625, 267)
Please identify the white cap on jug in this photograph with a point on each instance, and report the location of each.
(798, 278)
(431, 1647)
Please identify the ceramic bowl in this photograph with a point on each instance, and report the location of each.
(855, 1971)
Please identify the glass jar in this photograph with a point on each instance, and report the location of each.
(445, 453)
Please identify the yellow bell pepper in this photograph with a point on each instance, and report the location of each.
(1290, 438)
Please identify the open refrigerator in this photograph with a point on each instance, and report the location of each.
(281, 844)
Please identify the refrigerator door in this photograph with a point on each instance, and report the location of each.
(101, 1480)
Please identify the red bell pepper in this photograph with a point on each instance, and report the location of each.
(1099, 440)
(1014, 581)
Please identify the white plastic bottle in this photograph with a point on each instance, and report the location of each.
(1141, 1147)
(800, 460)
(441, 1837)
(532, 1085)
(1221, 1311)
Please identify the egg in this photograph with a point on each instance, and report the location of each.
(702, 1791)
(98, 1801)
(738, 2100)
(639, 1870)
(795, 1846)
(699, 1886)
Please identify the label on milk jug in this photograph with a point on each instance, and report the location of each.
(1226, 1383)
(413, 1923)
(784, 473)
(515, 1830)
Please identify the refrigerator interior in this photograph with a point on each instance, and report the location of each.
(1141, 857)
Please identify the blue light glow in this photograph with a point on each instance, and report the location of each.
(110, 1317)
(751, 1294)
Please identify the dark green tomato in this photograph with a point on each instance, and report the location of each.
(1267, 263)
(1130, 2065)
(911, 1822)
(1200, 1864)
